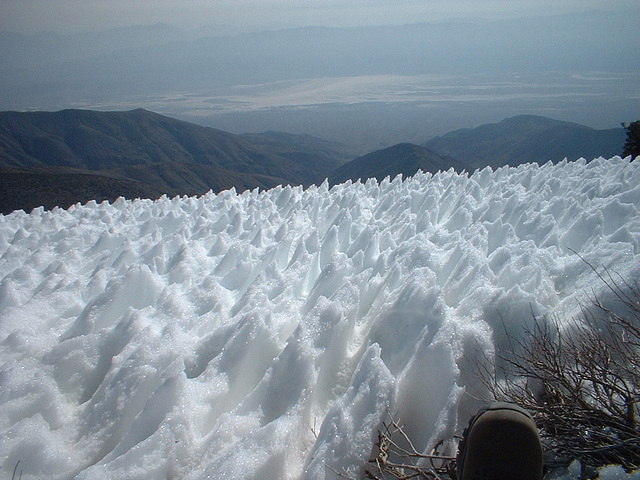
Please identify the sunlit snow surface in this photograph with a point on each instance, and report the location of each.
(216, 337)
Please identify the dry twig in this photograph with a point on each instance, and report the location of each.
(404, 462)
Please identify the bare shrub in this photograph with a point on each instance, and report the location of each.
(580, 382)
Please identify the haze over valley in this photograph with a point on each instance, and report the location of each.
(367, 85)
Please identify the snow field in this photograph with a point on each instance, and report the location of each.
(268, 334)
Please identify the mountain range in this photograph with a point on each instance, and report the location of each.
(526, 139)
(61, 158)
(403, 159)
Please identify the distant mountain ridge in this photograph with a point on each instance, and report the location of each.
(405, 159)
(102, 140)
(141, 153)
(527, 139)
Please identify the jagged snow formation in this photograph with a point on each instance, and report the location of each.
(267, 335)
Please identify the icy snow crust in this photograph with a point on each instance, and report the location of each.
(216, 337)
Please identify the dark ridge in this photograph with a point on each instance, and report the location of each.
(527, 139)
(79, 155)
(405, 159)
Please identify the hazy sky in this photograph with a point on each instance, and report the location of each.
(30, 16)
